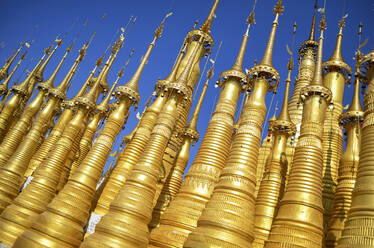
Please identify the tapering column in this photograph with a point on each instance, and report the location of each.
(359, 226)
(337, 74)
(68, 112)
(4, 70)
(181, 216)
(42, 188)
(19, 91)
(174, 180)
(101, 111)
(16, 134)
(352, 120)
(264, 152)
(273, 180)
(134, 149)
(4, 85)
(64, 219)
(299, 220)
(12, 172)
(40, 98)
(174, 145)
(233, 195)
(126, 223)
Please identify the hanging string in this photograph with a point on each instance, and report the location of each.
(201, 77)
(267, 116)
(213, 61)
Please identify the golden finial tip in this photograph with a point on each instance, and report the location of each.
(251, 18)
(278, 8)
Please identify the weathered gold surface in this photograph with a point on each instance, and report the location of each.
(16, 134)
(14, 169)
(19, 91)
(85, 144)
(299, 220)
(174, 179)
(351, 119)
(273, 180)
(126, 223)
(358, 228)
(263, 154)
(175, 142)
(332, 141)
(182, 215)
(227, 219)
(133, 150)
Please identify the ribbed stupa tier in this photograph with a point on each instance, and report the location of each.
(263, 154)
(100, 112)
(307, 53)
(134, 149)
(174, 179)
(337, 74)
(233, 196)
(359, 227)
(64, 219)
(299, 220)
(176, 139)
(14, 169)
(182, 215)
(126, 223)
(273, 180)
(352, 120)
(20, 91)
(70, 108)
(42, 189)
(16, 134)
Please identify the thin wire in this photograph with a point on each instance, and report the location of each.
(267, 116)
(201, 77)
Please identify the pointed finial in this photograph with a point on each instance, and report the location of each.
(265, 67)
(313, 27)
(268, 55)
(131, 87)
(4, 85)
(237, 69)
(317, 78)
(336, 60)
(60, 90)
(49, 82)
(206, 25)
(40, 70)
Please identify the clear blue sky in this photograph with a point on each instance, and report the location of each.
(55, 17)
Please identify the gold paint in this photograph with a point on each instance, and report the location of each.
(174, 180)
(4, 85)
(181, 216)
(358, 228)
(299, 220)
(86, 142)
(351, 119)
(4, 70)
(19, 91)
(126, 223)
(16, 134)
(273, 180)
(338, 72)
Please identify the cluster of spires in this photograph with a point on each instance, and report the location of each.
(303, 192)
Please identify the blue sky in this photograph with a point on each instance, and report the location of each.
(51, 18)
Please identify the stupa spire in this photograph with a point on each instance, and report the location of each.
(206, 25)
(313, 27)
